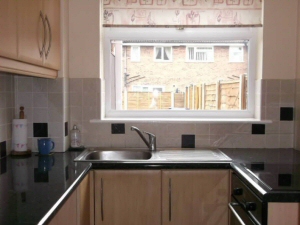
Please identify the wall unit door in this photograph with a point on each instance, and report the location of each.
(128, 197)
(195, 197)
(39, 32)
(52, 46)
(8, 29)
(30, 37)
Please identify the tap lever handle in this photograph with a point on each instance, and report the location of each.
(150, 134)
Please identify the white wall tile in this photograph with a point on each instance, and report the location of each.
(40, 100)
(40, 115)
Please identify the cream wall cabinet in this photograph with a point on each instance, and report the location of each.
(30, 41)
(161, 197)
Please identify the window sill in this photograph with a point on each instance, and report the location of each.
(174, 120)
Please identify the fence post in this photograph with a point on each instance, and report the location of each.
(203, 95)
(218, 97)
(172, 99)
(187, 97)
(200, 96)
(242, 92)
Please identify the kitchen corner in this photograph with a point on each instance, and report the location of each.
(35, 189)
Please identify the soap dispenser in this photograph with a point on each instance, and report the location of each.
(75, 137)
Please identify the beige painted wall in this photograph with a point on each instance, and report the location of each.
(84, 42)
(280, 38)
(279, 54)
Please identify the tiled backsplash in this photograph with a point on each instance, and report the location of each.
(46, 105)
(6, 110)
(277, 96)
(51, 102)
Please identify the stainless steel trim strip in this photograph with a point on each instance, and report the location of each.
(231, 205)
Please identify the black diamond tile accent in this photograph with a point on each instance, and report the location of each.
(2, 149)
(285, 180)
(40, 130)
(286, 113)
(258, 128)
(3, 165)
(258, 166)
(188, 141)
(118, 128)
(40, 177)
(66, 129)
(67, 172)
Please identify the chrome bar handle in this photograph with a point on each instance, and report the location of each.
(50, 37)
(102, 215)
(170, 199)
(231, 205)
(45, 34)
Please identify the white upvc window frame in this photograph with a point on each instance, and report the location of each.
(232, 50)
(207, 49)
(135, 55)
(111, 110)
(163, 50)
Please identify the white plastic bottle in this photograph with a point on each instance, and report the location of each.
(75, 137)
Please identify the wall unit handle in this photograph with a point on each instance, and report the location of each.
(50, 37)
(45, 34)
(170, 199)
(102, 215)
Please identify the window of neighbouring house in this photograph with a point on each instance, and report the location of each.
(200, 54)
(183, 88)
(162, 54)
(135, 53)
(236, 54)
(147, 88)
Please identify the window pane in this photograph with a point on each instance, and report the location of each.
(158, 53)
(197, 77)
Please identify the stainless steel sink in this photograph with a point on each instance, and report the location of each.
(98, 155)
(113, 155)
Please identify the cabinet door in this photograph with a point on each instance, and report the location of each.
(30, 31)
(8, 29)
(51, 9)
(195, 197)
(128, 197)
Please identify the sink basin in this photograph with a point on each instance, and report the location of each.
(112, 155)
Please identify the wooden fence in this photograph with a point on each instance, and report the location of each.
(222, 95)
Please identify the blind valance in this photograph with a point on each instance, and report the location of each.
(182, 13)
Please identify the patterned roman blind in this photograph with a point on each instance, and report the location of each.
(183, 13)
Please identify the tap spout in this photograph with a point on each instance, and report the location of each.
(151, 144)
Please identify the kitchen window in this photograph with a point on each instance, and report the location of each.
(163, 54)
(135, 53)
(192, 90)
(200, 54)
(236, 54)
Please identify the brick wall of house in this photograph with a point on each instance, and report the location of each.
(179, 72)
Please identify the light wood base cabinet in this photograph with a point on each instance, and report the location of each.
(195, 197)
(167, 197)
(78, 208)
(128, 197)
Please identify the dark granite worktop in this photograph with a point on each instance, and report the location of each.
(273, 174)
(30, 187)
